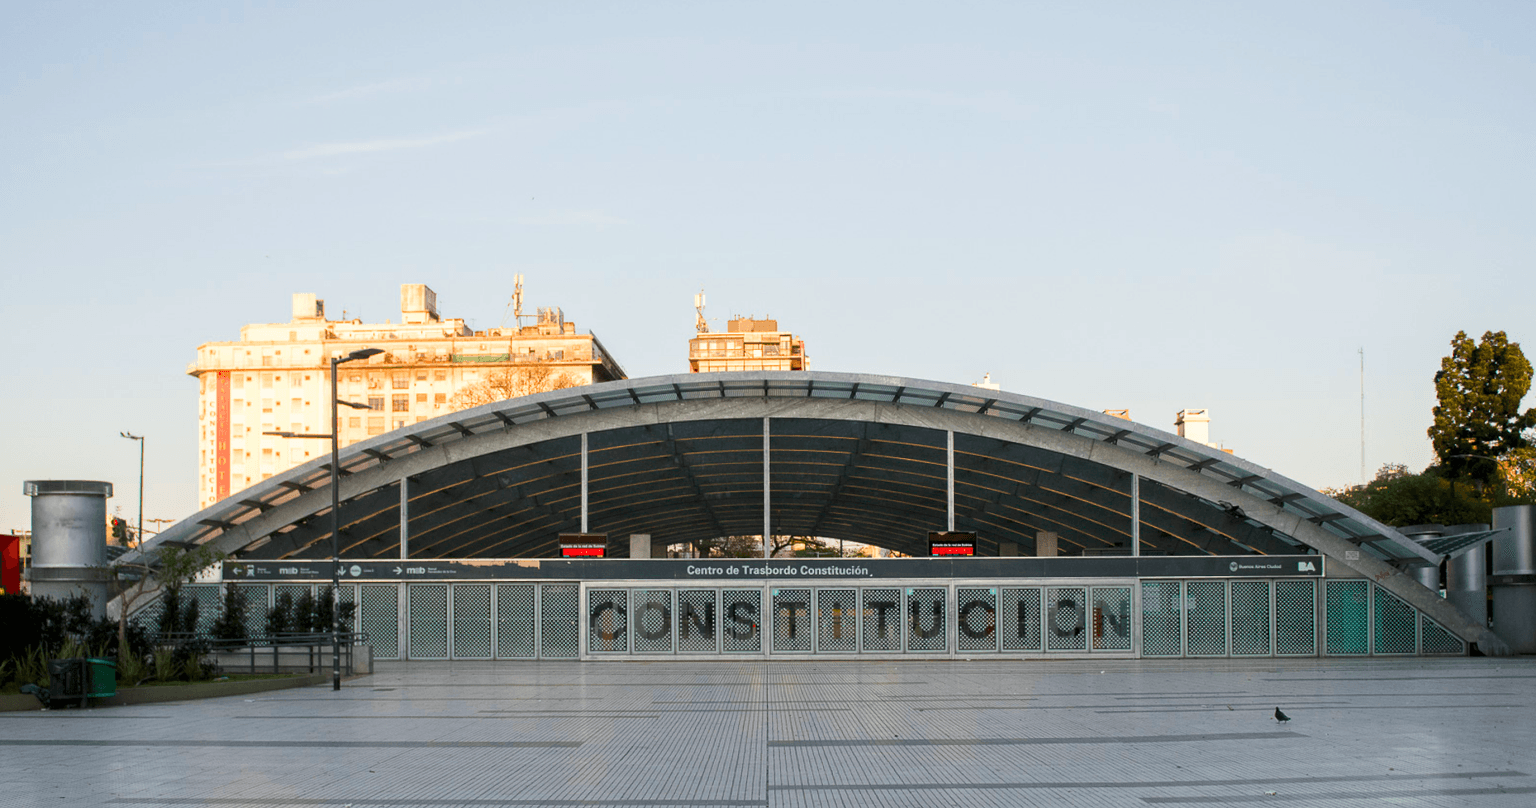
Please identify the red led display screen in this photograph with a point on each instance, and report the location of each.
(951, 544)
(582, 552)
(583, 545)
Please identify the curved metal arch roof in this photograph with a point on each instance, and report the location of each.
(722, 458)
(854, 456)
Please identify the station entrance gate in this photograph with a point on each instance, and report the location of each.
(1267, 606)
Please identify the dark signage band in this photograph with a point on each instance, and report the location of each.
(806, 569)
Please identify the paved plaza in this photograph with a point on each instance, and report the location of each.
(1367, 732)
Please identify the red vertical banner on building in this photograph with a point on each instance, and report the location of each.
(10, 565)
(221, 425)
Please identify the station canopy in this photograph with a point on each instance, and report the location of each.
(858, 457)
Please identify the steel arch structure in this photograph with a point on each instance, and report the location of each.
(875, 459)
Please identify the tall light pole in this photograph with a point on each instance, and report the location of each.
(335, 436)
(140, 439)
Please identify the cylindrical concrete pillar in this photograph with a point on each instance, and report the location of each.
(639, 545)
(1466, 577)
(1514, 577)
(1466, 583)
(1514, 553)
(69, 539)
(1428, 575)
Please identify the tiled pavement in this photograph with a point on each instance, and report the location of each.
(1367, 732)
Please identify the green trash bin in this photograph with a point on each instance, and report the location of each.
(100, 678)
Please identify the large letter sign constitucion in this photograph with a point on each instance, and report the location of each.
(612, 628)
(965, 622)
(688, 618)
(743, 620)
(665, 626)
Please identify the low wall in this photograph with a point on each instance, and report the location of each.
(294, 659)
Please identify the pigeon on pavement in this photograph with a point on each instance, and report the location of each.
(1281, 717)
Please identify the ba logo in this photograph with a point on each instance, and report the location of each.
(1306, 566)
(1232, 566)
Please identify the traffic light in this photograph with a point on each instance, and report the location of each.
(119, 529)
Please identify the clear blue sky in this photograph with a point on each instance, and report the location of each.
(1151, 206)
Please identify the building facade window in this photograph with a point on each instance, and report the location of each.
(400, 403)
(375, 402)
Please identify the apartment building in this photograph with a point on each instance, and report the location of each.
(276, 378)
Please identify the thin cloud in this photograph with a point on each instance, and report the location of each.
(992, 103)
(372, 89)
(379, 145)
(573, 217)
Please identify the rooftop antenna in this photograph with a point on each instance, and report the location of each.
(701, 325)
(1362, 415)
(515, 305)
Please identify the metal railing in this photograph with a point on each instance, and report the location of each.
(288, 652)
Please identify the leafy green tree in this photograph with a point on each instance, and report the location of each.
(173, 568)
(230, 624)
(280, 618)
(1398, 497)
(1478, 420)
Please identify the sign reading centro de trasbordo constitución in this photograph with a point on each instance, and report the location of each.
(744, 569)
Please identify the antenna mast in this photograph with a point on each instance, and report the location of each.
(515, 305)
(1362, 415)
(701, 325)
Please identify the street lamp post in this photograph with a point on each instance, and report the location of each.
(335, 505)
(140, 439)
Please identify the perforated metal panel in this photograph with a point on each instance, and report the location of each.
(1348, 627)
(1206, 622)
(976, 618)
(1250, 618)
(515, 621)
(1396, 624)
(1111, 618)
(295, 592)
(1295, 618)
(837, 621)
(559, 621)
(471, 621)
(607, 620)
(256, 597)
(881, 615)
(427, 621)
(1439, 641)
(741, 610)
(652, 616)
(209, 604)
(147, 616)
(1162, 619)
(1019, 619)
(697, 626)
(348, 594)
(380, 610)
(926, 623)
(1066, 618)
(792, 631)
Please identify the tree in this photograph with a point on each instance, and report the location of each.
(230, 624)
(752, 547)
(512, 382)
(173, 567)
(1478, 420)
(280, 618)
(1398, 497)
